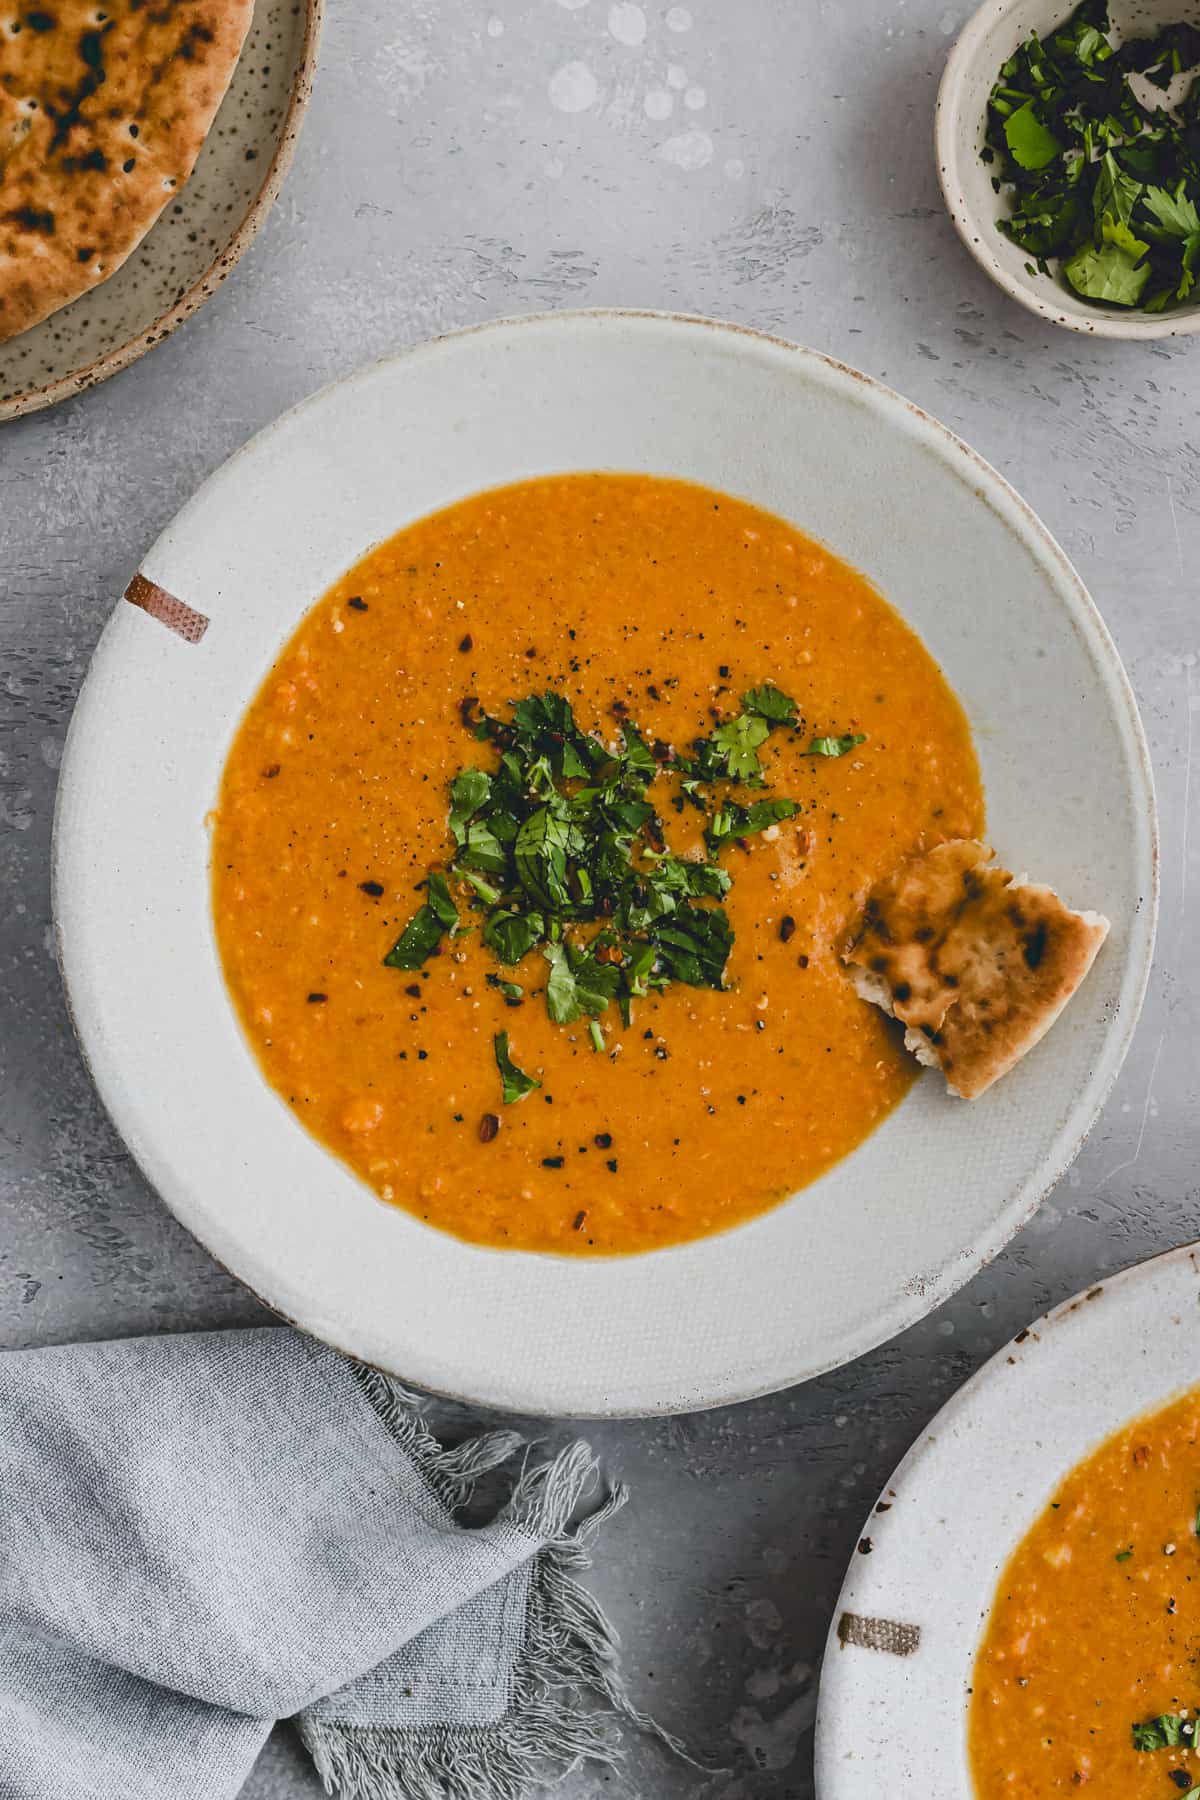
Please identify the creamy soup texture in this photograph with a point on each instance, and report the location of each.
(1087, 1678)
(636, 598)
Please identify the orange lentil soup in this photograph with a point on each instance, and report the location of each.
(636, 598)
(1094, 1629)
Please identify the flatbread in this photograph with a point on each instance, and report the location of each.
(103, 111)
(976, 965)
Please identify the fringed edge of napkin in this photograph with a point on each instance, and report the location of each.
(570, 1648)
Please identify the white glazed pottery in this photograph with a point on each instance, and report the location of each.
(878, 1241)
(988, 40)
(193, 245)
(893, 1719)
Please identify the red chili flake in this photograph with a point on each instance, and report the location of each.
(317, 999)
(414, 988)
(723, 671)
(271, 773)
(466, 710)
(577, 1223)
(489, 1125)
(611, 1164)
(357, 602)
(803, 961)
(603, 1140)
(865, 1546)
(553, 1162)
(787, 928)
(374, 888)
(804, 840)
(467, 643)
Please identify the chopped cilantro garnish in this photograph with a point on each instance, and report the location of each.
(1031, 145)
(515, 1083)
(579, 982)
(835, 746)
(1123, 1555)
(559, 849)
(770, 704)
(424, 932)
(1169, 1731)
(1099, 178)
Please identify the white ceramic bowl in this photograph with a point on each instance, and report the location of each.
(195, 242)
(880, 1239)
(893, 1720)
(987, 40)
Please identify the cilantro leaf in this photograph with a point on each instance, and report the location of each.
(424, 932)
(481, 849)
(1116, 193)
(1175, 212)
(693, 947)
(1169, 1731)
(1031, 145)
(1113, 231)
(540, 856)
(512, 935)
(514, 1082)
(738, 743)
(770, 704)
(579, 983)
(1092, 176)
(836, 746)
(638, 759)
(468, 793)
(1110, 274)
(737, 821)
(562, 833)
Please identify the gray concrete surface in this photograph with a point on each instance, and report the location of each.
(764, 160)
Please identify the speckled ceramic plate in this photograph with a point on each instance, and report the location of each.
(892, 1715)
(881, 1238)
(196, 241)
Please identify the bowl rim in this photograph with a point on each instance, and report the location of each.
(111, 362)
(948, 111)
(917, 1300)
(918, 1494)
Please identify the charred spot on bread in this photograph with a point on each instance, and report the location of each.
(976, 965)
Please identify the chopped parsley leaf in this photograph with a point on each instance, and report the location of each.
(1099, 178)
(835, 746)
(515, 1083)
(1169, 1731)
(558, 848)
(425, 930)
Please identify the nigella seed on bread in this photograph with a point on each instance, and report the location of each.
(975, 964)
(103, 112)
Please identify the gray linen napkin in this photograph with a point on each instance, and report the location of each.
(202, 1534)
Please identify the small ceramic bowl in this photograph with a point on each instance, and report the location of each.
(987, 41)
(192, 246)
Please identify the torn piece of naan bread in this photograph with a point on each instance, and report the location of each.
(103, 112)
(975, 965)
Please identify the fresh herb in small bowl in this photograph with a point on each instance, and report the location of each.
(1103, 176)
